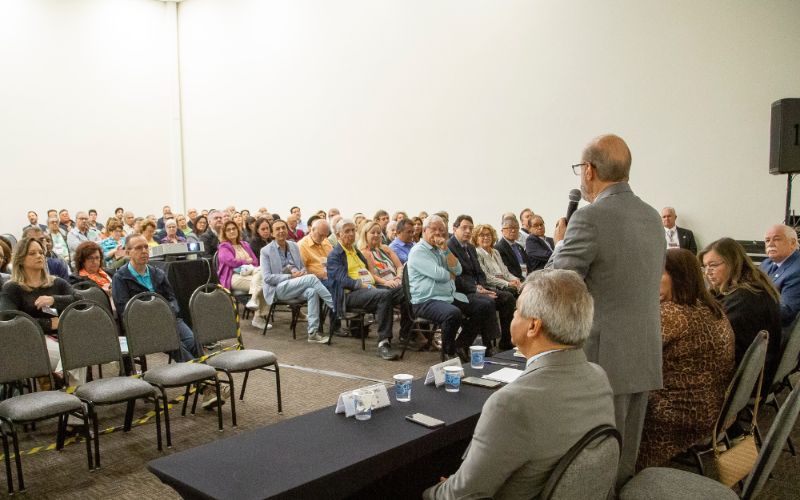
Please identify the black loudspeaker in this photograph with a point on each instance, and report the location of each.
(784, 143)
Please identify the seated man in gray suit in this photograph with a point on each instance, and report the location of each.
(526, 427)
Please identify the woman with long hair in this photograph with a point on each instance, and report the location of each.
(697, 363)
(749, 298)
(238, 269)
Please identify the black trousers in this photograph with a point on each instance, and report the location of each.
(381, 302)
(450, 317)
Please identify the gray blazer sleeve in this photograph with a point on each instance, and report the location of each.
(579, 248)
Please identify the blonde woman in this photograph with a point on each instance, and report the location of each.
(382, 262)
(497, 275)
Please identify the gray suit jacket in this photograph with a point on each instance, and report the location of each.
(526, 427)
(271, 270)
(617, 245)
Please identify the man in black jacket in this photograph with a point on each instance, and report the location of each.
(210, 238)
(472, 283)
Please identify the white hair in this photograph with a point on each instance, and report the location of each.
(343, 222)
(560, 299)
(431, 219)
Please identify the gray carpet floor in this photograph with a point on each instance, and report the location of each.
(312, 376)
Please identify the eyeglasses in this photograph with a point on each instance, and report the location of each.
(140, 248)
(94, 257)
(711, 266)
(576, 169)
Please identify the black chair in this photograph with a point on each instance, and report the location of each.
(150, 327)
(737, 396)
(356, 316)
(294, 305)
(588, 470)
(214, 318)
(87, 336)
(418, 324)
(11, 239)
(657, 483)
(89, 290)
(23, 355)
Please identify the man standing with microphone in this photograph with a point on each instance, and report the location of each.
(616, 243)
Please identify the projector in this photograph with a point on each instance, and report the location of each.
(174, 251)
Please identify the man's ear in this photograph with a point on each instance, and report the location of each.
(534, 327)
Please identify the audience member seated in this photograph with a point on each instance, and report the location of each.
(249, 228)
(300, 225)
(136, 277)
(88, 266)
(58, 238)
(128, 220)
(93, 224)
(200, 226)
(399, 215)
(382, 262)
(285, 278)
(697, 364)
(191, 218)
(417, 230)
(148, 231)
(352, 285)
(404, 240)
(5, 259)
(238, 269)
(166, 213)
(512, 253)
(432, 270)
(172, 236)
(498, 277)
(391, 231)
(56, 266)
(332, 224)
(114, 255)
(33, 221)
(527, 426)
(295, 233)
(382, 218)
(183, 227)
(484, 302)
(358, 219)
(525, 224)
(210, 238)
(81, 232)
(315, 248)
(748, 297)
(538, 247)
(782, 265)
(64, 221)
(33, 291)
(262, 235)
(105, 233)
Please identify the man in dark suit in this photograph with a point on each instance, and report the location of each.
(783, 268)
(623, 279)
(33, 220)
(472, 283)
(538, 246)
(210, 238)
(676, 236)
(512, 253)
(528, 425)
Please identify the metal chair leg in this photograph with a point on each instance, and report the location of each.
(185, 401)
(232, 397)
(17, 458)
(88, 436)
(61, 431)
(7, 460)
(129, 415)
(158, 424)
(165, 401)
(219, 403)
(278, 387)
(198, 387)
(244, 384)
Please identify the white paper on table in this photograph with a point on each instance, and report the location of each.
(436, 372)
(505, 375)
(347, 405)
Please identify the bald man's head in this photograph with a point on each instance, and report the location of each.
(610, 157)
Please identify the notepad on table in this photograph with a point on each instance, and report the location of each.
(505, 375)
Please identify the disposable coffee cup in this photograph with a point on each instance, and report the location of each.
(476, 356)
(363, 402)
(452, 378)
(402, 387)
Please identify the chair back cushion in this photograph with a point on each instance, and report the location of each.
(90, 291)
(588, 470)
(213, 313)
(791, 353)
(149, 325)
(744, 380)
(23, 352)
(87, 336)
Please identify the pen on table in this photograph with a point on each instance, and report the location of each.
(499, 363)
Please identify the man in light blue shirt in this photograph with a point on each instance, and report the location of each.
(431, 272)
(403, 243)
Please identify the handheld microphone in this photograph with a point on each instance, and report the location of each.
(574, 198)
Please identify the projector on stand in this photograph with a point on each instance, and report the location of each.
(177, 251)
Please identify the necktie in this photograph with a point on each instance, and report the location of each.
(517, 251)
(773, 268)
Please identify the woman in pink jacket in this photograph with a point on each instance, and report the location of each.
(238, 269)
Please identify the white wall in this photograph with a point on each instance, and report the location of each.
(84, 107)
(471, 106)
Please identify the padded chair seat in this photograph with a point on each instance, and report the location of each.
(110, 390)
(36, 405)
(246, 359)
(289, 302)
(179, 374)
(657, 483)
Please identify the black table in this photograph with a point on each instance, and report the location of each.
(325, 455)
(185, 276)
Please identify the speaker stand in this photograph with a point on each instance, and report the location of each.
(786, 219)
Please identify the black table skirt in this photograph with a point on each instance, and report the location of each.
(186, 276)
